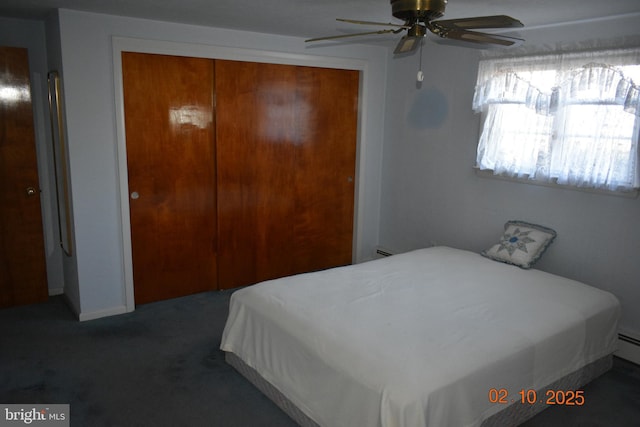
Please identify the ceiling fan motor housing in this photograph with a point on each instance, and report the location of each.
(418, 10)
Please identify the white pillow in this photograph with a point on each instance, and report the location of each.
(522, 244)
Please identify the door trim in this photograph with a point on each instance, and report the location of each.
(126, 44)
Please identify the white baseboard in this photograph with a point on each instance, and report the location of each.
(628, 349)
(56, 291)
(92, 315)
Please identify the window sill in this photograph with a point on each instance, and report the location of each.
(632, 194)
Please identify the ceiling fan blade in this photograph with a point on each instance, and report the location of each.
(342, 36)
(388, 24)
(408, 44)
(494, 21)
(478, 37)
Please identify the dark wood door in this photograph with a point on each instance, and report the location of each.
(286, 150)
(23, 277)
(171, 171)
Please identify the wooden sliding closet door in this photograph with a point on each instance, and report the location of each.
(171, 166)
(286, 150)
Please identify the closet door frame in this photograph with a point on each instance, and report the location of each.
(125, 44)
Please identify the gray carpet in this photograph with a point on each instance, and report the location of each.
(161, 366)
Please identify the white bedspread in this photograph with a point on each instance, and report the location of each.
(417, 339)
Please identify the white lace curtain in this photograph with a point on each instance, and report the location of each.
(572, 118)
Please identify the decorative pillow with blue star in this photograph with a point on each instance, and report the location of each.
(522, 244)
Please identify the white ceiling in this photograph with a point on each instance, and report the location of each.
(313, 18)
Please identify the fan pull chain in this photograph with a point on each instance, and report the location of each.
(420, 75)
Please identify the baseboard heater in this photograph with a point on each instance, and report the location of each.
(629, 339)
(383, 252)
(628, 348)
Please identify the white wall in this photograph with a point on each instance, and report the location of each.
(31, 35)
(431, 195)
(99, 198)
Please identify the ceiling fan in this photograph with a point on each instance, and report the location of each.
(419, 18)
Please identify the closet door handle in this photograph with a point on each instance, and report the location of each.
(135, 195)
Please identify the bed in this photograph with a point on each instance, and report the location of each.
(433, 337)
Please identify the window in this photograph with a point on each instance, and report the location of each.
(572, 119)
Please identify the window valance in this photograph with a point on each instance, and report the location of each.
(545, 82)
(591, 84)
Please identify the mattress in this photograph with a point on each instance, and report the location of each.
(418, 339)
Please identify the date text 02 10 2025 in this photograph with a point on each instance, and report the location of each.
(530, 397)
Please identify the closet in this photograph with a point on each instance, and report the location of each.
(238, 172)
